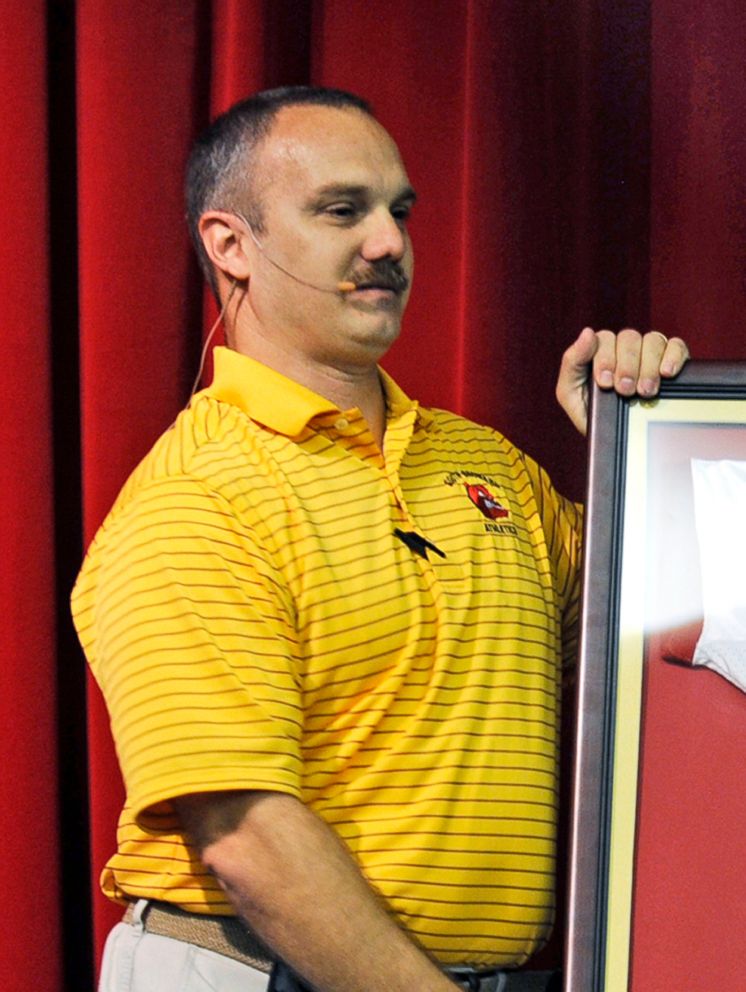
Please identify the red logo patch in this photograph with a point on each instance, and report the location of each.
(484, 501)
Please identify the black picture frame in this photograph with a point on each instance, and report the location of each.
(712, 394)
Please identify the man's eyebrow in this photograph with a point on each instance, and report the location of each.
(352, 189)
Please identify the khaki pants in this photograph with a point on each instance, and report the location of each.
(136, 961)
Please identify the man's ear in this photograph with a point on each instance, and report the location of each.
(224, 238)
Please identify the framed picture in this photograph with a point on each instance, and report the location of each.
(657, 891)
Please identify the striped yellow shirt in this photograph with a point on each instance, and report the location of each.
(255, 622)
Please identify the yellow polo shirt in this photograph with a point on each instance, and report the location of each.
(255, 622)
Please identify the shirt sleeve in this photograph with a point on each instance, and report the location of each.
(563, 528)
(191, 638)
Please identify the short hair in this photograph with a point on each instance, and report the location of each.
(220, 165)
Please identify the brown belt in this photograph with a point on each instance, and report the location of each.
(223, 934)
(227, 935)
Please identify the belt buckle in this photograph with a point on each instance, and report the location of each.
(472, 981)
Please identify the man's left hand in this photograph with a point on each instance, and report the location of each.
(628, 362)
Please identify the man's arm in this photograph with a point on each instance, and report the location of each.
(628, 362)
(293, 881)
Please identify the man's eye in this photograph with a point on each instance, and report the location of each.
(341, 211)
(402, 213)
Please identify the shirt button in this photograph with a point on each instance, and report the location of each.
(342, 423)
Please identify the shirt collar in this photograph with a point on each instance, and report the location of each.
(398, 403)
(282, 404)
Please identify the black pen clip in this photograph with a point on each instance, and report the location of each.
(417, 543)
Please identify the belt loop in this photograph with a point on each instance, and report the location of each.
(138, 912)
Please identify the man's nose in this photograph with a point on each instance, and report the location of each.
(385, 237)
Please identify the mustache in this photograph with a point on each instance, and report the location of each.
(386, 274)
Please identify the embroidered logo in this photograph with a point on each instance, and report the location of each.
(483, 499)
(480, 490)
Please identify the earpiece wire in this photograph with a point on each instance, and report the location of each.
(208, 339)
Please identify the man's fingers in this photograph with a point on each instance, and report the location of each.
(577, 358)
(633, 364)
(581, 351)
(572, 383)
(654, 346)
(674, 358)
(628, 362)
(617, 362)
(659, 357)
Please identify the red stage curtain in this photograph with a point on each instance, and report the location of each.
(29, 909)
(698, 195)
(139, 318)
(578, 161)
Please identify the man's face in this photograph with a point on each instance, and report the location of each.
(335, 200)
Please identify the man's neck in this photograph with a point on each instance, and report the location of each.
(352, 387)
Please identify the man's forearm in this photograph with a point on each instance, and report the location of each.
(293, 881)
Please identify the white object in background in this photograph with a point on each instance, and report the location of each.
(720, 516)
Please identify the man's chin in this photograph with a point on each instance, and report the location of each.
(374, 340)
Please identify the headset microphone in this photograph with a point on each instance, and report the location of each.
(346, 286)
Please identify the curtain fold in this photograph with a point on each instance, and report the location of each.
(698, 218)
(29, 807)
(577, 161)
(138, 87)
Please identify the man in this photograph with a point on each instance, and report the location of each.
(328, 622)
